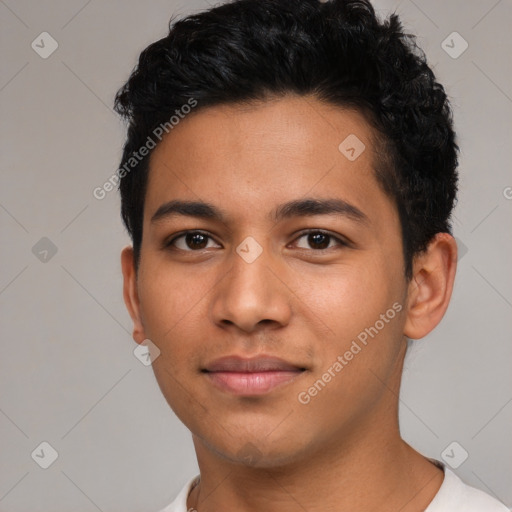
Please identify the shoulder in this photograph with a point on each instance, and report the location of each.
(456, 496)
(180, 503)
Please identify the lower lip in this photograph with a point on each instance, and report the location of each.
(251, 384)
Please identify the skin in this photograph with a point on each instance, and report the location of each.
(342, 451)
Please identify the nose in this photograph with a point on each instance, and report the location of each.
(251, 295)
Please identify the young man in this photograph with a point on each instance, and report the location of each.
(287, 181)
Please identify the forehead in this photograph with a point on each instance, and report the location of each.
(252, 154)
(301, 125)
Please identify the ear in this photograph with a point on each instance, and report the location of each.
(431, 286)
(131, 298)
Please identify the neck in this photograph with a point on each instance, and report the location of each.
(369, 470)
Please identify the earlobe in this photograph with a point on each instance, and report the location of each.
(431, 286)
(130, 294)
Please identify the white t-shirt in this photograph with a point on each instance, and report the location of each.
(453, 496)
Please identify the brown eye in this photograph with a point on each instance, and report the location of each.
(319, 240)
(191, 241)
(196, 240)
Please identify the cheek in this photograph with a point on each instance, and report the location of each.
(356, 364)
(347, 299)
(360, 311)
(166, 294)
(171, 309)
(172, 304)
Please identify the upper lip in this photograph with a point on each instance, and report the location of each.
(251, 365)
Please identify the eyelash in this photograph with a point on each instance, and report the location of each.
(340, 242)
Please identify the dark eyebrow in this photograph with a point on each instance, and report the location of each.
(309, 207)
(298, 208)
(188, 208)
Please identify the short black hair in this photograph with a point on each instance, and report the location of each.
(337, 51)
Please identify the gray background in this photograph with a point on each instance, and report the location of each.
(68, 373)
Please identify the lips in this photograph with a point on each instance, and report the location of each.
(251, 376)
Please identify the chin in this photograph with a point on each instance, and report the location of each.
(260, 453)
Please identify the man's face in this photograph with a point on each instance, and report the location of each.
(273, 281)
